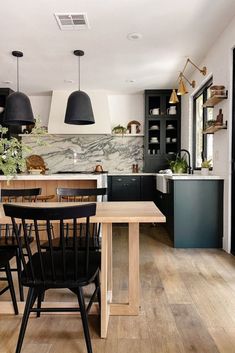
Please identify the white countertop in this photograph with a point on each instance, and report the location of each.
(162, 180)
(102, 179)
(130, 174)
(66, 176)
(192, 177)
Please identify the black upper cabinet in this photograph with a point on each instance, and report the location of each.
(162, 129)
(13, 130)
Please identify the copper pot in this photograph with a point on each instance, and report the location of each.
(98, 168)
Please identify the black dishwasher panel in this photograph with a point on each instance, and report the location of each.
(124, 188)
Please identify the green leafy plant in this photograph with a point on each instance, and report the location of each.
(206, 163)
(210, 123)
(119, 129)
(38, 131)
(179, 165)
(11, 154)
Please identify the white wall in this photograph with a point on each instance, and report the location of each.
(122, 108)
(41, 107)
(219, 63)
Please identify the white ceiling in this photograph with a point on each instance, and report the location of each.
(171, 30)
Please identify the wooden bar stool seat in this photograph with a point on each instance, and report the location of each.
(42, 198)
(45, 198)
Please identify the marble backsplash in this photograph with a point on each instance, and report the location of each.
(84, 152)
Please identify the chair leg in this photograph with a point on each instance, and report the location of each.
(11, 287)
(18, 266)
(28, 306)
(84, 319)
(40, 299)
(97, 285)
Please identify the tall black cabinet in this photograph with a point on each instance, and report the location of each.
(162, 129)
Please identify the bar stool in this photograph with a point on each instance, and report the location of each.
(8, 240)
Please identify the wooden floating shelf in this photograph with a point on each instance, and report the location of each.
(212, 101)
(215, 128)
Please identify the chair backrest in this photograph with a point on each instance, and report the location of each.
(79, 194)
(55, 265)
(20, 195)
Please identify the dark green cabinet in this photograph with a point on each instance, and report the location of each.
(162, 130)
(195, 213)
(124, 188)
(131, 188)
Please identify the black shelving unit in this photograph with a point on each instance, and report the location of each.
(162, 131)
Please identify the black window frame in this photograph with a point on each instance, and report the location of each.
(203, 91)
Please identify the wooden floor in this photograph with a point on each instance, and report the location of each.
(187, 305)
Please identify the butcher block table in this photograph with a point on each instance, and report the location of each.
(108, 213)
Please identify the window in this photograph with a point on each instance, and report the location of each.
(202, 143)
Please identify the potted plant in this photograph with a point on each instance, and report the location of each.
(119, 129)
(179, 165)
(205, 166)
(11, 155)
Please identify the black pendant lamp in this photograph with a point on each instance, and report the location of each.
(79, 110)
(18, 110)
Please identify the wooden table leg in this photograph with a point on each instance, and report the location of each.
(132, 307)
(110, 263)
(134, 281)
(105, 307)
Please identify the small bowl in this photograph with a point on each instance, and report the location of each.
(1, 109)
(35, 171)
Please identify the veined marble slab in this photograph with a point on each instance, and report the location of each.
(84, 152)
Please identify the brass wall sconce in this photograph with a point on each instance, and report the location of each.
(182, 89)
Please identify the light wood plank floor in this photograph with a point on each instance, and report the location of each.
(187, 305)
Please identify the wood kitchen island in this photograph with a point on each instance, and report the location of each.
(50, 182)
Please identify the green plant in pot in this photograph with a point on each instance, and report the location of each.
(119, 129)
(205, 166)
(11, 154)
(179, 165)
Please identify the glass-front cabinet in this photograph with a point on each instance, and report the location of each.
(162, 130)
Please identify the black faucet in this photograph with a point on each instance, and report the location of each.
(190, 169)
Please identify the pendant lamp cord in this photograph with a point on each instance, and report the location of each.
(17, 76)
(79, 73)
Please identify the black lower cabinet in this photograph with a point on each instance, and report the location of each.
(131, 188)
(195, 213)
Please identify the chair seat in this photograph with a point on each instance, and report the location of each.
(6, 256)
(66, 280)
(11, 242)
(94, 243)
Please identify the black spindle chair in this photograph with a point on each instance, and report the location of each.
(5, 257)
(80, 195)
(7, 236)
(64, 268)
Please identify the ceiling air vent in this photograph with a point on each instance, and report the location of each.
(72, 21)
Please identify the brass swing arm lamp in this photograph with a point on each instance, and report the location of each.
(181, 86)
(203, 70)
(192, 84)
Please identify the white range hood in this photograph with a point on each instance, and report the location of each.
(99, 101)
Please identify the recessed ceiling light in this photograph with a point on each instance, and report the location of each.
(7, 82)
(69, 81)
(134, 36)
(130, 81)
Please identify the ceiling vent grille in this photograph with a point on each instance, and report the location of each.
(72, 21)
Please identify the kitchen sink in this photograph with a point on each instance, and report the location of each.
(162, 179)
